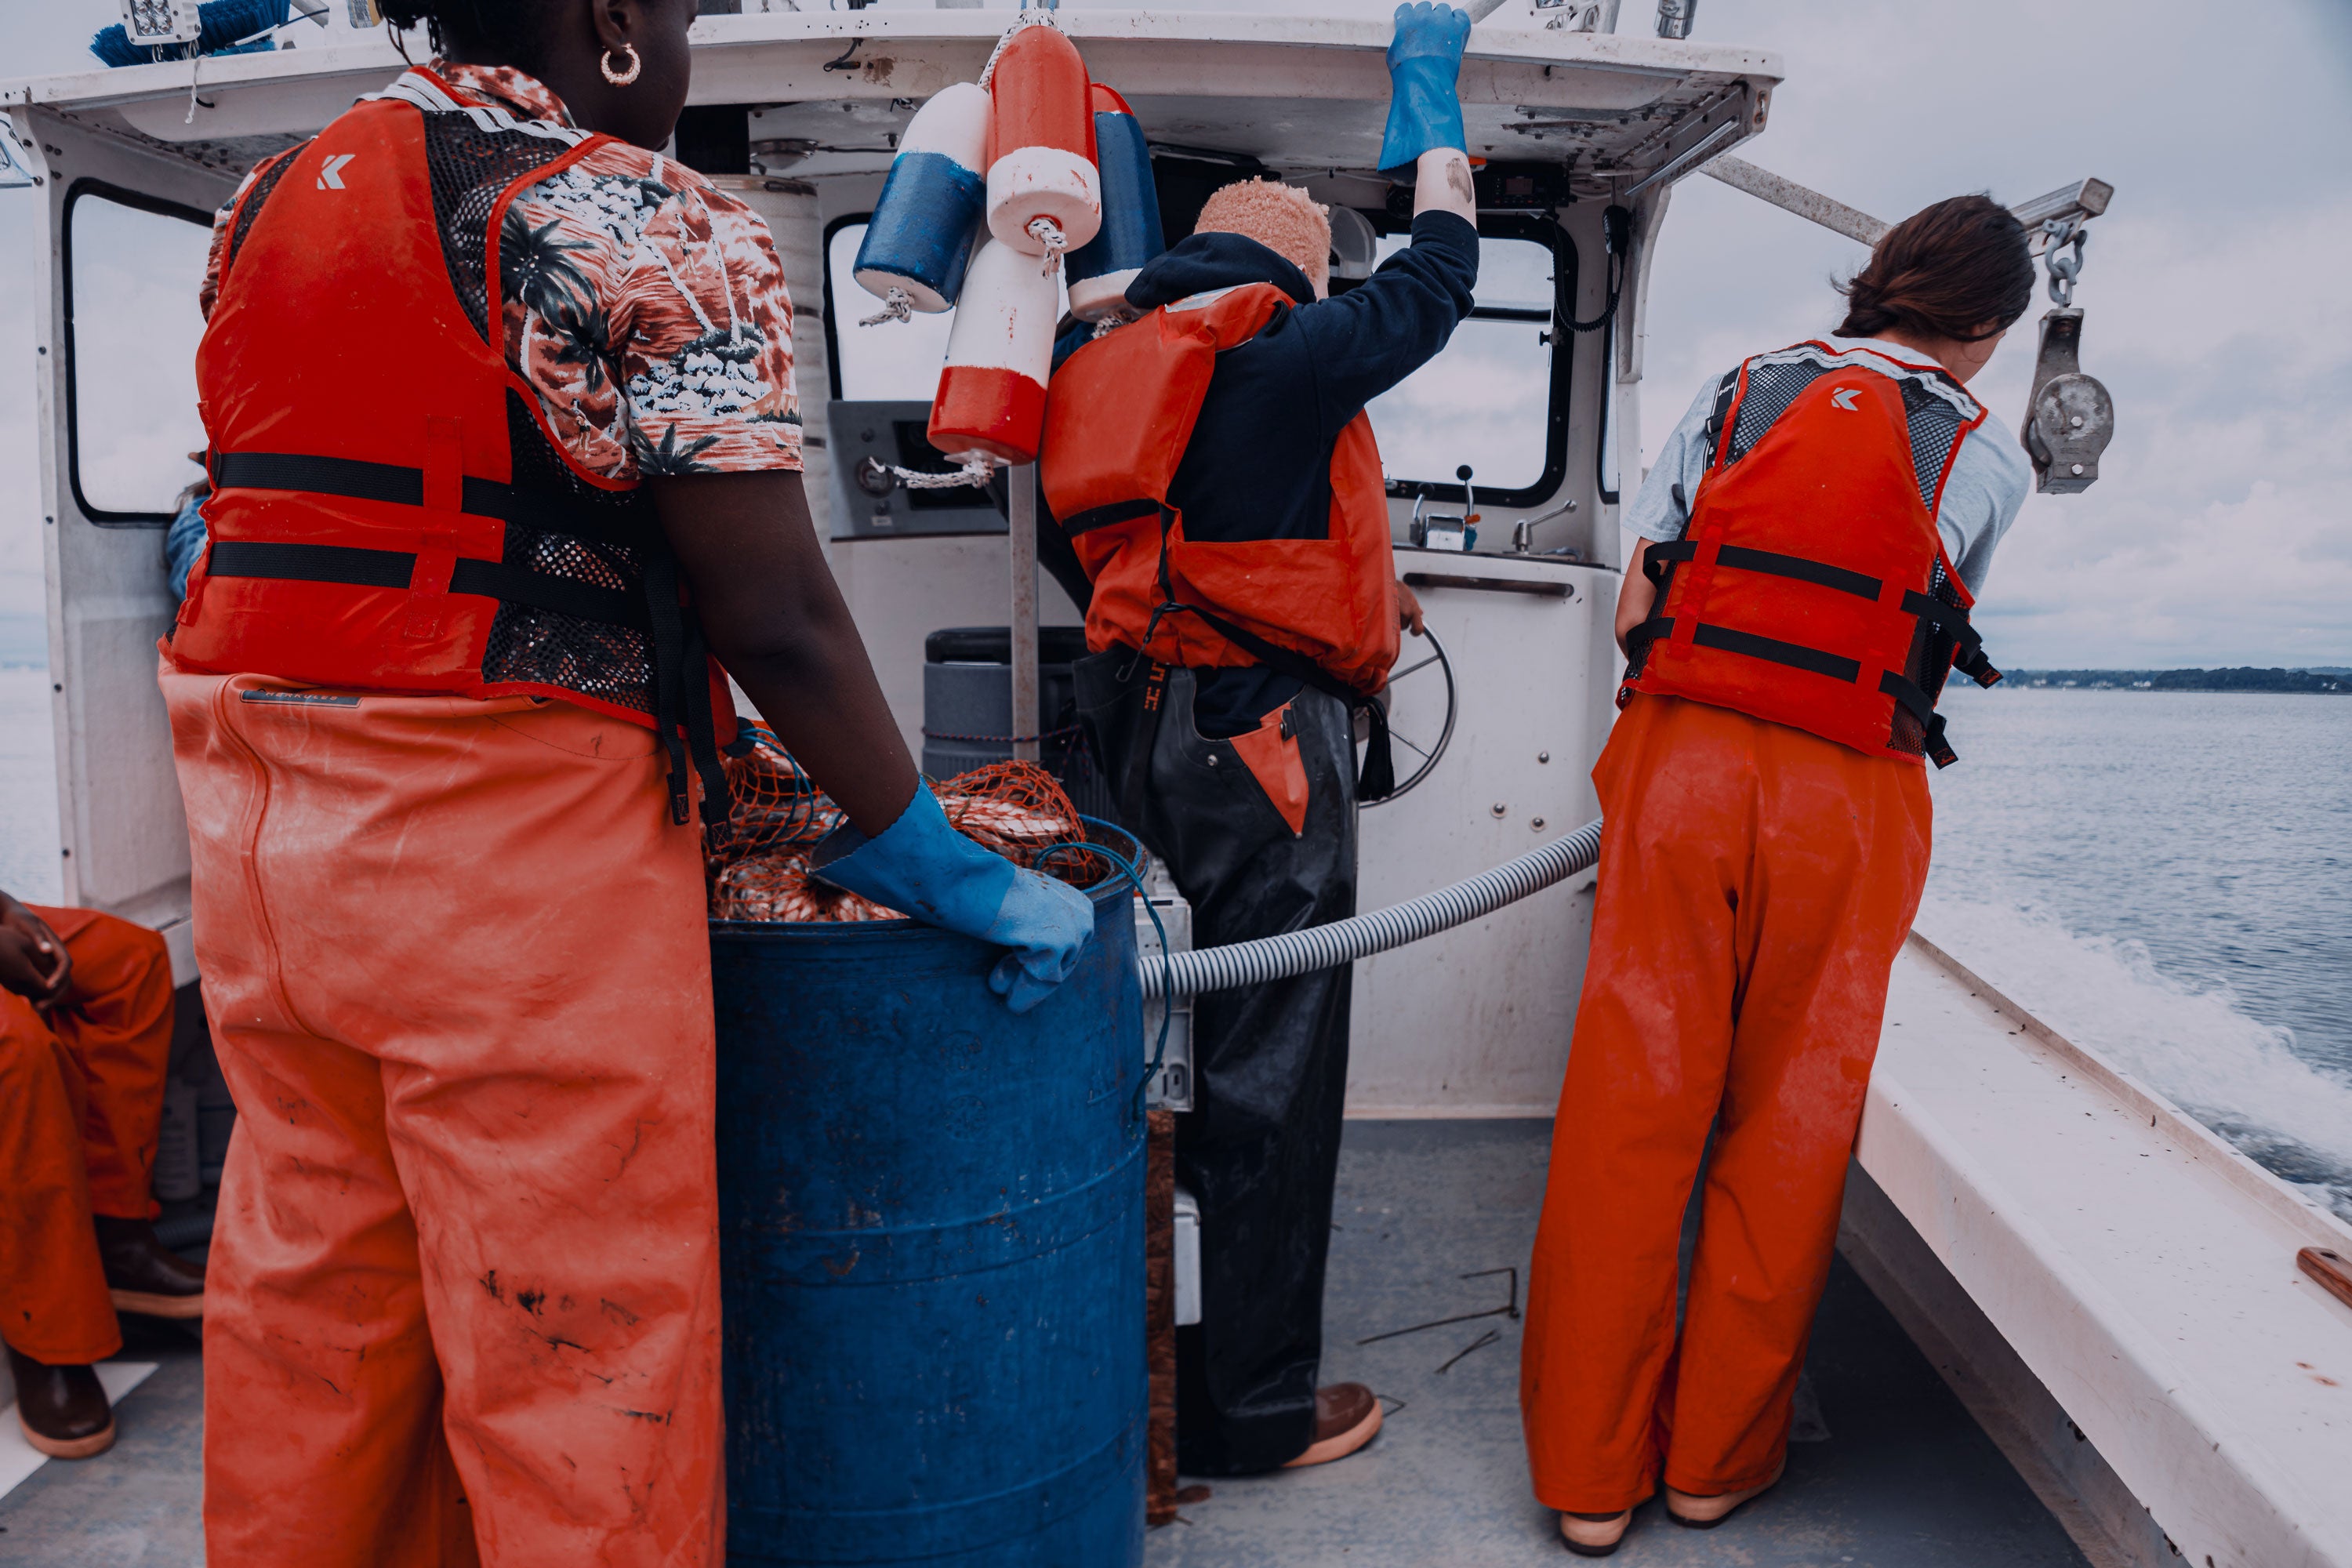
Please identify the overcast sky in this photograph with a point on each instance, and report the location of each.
(2220, 531)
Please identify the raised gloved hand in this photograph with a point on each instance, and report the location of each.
(923, 867)
(1425, 56)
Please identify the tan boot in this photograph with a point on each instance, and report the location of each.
(1593, 1534)
(1346, 1416)
(1707, 1512)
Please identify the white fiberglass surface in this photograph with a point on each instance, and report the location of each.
(891, 361)
(135, 329)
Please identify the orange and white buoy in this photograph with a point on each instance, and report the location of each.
(991, 397)
(1043, 193)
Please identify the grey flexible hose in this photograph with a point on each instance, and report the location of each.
(1361, 936)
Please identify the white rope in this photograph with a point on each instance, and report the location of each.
(976, 471)
(1048, 232)
(896, 306)
(1027, 19)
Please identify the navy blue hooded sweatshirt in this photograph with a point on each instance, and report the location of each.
(1259, 466)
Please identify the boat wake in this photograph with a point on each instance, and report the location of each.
(2194, 1044)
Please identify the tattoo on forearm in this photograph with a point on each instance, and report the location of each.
(1457, 178)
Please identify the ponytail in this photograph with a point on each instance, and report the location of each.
(1959, 269)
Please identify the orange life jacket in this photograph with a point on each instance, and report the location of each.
(1118, 415)
(1811, 588)
(389, 511)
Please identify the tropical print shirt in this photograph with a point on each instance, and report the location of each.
(645, 307)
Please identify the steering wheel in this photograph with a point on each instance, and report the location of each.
(1421, 712)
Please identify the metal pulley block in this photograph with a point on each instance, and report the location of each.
(2068, 419)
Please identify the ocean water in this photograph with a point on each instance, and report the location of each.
(2165, 876)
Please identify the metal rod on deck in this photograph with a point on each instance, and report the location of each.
(1021, 523)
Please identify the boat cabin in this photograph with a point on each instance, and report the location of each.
(2068, 1323)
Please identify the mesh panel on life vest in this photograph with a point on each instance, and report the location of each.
(262, 184)
(547, 647)
(1772, 386)
(470, 167)
(1935, 428)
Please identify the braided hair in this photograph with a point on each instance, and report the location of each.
(511, 30)
(1946, 270)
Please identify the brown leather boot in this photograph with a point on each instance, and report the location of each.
(1346, 1416)
(144, 1276)
(62, 1408)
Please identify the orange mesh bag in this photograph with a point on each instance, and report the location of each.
(1017, 810)
(776, 804)
(758, 859)
(777, 887)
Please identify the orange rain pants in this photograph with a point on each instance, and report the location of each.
(81, 1099)
(464, 1290)
(1756, 884)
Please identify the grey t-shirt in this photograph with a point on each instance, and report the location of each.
(1989, 477)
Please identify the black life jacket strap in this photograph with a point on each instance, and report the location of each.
(669, 658)
(1968, 656)
(1097, 517)
(1727, 640)
(1861, 584)
(1922, 708)
(360, 568)
(546, 511)
(681, 660)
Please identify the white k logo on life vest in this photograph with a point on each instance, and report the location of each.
(331, 173)
(1842, 397)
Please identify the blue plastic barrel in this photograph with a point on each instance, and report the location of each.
(932, 1250)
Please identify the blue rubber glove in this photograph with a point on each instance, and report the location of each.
(1425, 56)
(921, 867)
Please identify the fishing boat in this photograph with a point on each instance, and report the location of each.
(2069, 1324)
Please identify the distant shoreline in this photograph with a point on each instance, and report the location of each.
(2332, 681)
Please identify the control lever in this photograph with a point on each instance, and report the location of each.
(1438, 531)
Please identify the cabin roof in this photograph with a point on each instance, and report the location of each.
(1297, 92)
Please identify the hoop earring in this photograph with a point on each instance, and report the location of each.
(620, 79)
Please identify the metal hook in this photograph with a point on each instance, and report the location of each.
(2058, 234)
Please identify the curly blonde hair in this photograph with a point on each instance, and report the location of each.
(1283, 218)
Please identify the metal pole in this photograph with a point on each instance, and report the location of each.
(1765, 185)
(1022, 525)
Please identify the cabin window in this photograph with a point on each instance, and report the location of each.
(897, 361)
(134, 265)
(1497, 396)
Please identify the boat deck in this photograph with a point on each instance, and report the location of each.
(1896, 1473)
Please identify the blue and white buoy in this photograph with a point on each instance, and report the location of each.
(921, 237)
(1101, 270)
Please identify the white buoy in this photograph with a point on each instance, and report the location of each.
(991, 395)
(1044, 194)
(919, 239)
